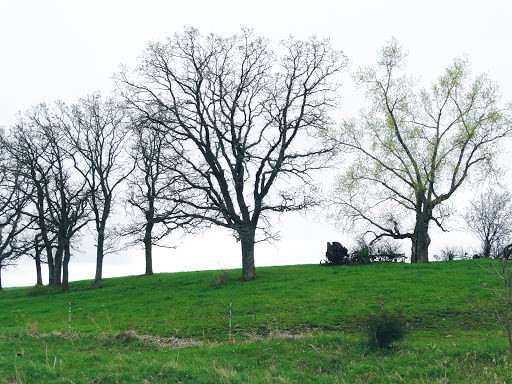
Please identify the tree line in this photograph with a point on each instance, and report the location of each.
(227, 131)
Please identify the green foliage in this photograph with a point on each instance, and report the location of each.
(414, 148)
(364, 253)
(384, 328)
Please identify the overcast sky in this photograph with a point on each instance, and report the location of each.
(63, 50)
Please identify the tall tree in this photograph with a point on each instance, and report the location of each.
(98, 131)
(14, 194)
(242, 116)
(490, 218)
(66, 195)
(27, 148)
(414, 149)
(60, 199)
(152, 190)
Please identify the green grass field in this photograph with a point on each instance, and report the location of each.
(295, 324)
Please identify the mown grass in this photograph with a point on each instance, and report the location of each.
(294, 324)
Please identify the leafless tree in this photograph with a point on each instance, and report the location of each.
(60, 199)
(13, 200)
(98, 132)
(244, 121)
(67, 197)
(154, 190)
(490, 218)
(27, 148)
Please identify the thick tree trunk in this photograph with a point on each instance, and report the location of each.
(49, 257)
(65, 270)
(487, 248)
(39, 276)
(37, 258)
(98, 282)
(149, 248)
(42, 226)
(1, 289)
(420, 240)
(247, 239)
(57, 270)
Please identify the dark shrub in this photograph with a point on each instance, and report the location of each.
(336, 254)
(385, 328)
(364, 254)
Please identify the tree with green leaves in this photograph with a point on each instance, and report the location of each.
(415, 148)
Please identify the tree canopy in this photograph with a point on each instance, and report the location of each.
(414, 148)
(241, 117)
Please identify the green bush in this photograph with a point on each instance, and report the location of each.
(385, 328)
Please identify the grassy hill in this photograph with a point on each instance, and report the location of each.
(294, 324)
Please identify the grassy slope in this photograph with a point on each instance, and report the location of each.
(293, 324)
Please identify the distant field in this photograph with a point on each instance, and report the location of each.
(294, 324)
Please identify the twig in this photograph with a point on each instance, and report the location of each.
(319, 352)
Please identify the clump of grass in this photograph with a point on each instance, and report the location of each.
(38, 290)
(126, 338)
(384, 328)
(220, 278)
(33, 328)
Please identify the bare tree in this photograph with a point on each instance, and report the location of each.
(98, 132)
(66, 195)
(154, 190)
(60, 199)
(490, 218)
(27, 148)
(243, 120)
(13, 200)
(414, 149)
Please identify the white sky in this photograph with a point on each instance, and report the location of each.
(63, 50)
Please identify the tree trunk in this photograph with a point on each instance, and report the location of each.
(420, 240)
(98, 282)
(37, 258)
(49, 256)
(38, 268)
(487, 249)
(65, 270)
(1, 289)
(247, 238)
(149, 248)
(57, 270)
(42, 226)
